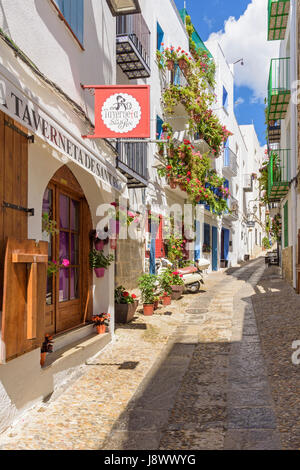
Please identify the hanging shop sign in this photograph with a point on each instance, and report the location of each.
(22, 109)
(250, 224)
(121, 112)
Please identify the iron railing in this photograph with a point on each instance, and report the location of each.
(279, 88)
(136, 28)
(133, 157)
(230, 161)
(279, 173)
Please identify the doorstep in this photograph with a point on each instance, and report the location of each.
(68, 337)
(76, 353)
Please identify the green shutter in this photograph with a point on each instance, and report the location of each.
(286, 225)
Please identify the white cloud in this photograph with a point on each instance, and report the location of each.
(239, 101)
(246, 38)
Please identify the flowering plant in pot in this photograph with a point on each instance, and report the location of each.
(47, 347)
(177, 285)
(206, 248)
(147, 285)
(100, 239)
(101, 321)
(165, 281)
(125, 305)
(99, 262)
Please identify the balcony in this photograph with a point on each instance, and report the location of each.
(248, 183)
(230, 165)
(279, 90)
(278, 12)
(274, 132)
(278, 174)
(133, 46)
(233, 209)
(133, 163)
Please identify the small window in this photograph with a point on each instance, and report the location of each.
(225, 98)
(72, 10)
(207, 234)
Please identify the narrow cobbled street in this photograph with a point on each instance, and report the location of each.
(214, 371)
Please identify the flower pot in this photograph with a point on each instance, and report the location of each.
(114, 227)
(43, 358)
(99, 245)
(100, 272)
(177, 292)
(170, 64)
(148, 309)
(101, 329)
(172, 183)
(124, 313)
(183, 65)
(166, 300)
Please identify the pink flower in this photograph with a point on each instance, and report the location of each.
(113, 204)
(65, 263)
(130, 214)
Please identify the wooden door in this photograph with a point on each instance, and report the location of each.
(67, 291)
(13, 184)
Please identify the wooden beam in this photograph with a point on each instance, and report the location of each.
(32, 301)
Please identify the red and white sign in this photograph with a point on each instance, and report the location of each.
(121, 111)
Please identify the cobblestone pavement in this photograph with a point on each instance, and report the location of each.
(213, 371)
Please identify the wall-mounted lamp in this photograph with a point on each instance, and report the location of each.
(124, 7)
(240, 60)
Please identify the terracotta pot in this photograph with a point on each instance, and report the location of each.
(148, 309)
(170, 64)
(183, 65)
(43, 358)
(177, 292)
(124, 313)
(100, 272)
(99, 245)
(101, 329)
(167, 300)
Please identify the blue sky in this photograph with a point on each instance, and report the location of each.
(244, 35)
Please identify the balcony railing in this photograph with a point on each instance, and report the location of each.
(233, 208)
(133, 46)
(133, 163)
(278, 174)
(230, 162)
(274, 132)
(248, 183)
(279, 89)
(278, 12)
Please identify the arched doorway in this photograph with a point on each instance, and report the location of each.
(67, 297)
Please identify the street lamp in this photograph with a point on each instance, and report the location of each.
(124, 7)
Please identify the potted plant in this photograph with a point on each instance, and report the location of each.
(101, 321)
(177, 285)
(125, 305)
(156, 302)
(47, 347)
(147, 286)
(206, 248)
(99, 262)
(165, 282)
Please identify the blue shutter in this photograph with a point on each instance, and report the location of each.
(198, 240)
(159, 130)
(206, 234)
(225, 98)
(160, 37)
(226, 243)
(177, 75)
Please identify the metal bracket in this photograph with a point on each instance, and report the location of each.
(18, 208)
(19, 131)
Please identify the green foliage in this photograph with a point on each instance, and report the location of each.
(99, 260)
(266, 243)
(147, 286)
(123, 297)
(49, 225)
(166, 281)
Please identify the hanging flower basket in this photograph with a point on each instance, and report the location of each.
(114, 227)
(100, 272)
(183, 65)
(99, 245)
(170, 64)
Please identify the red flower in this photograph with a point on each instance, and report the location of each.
(133, 296)
(169, 167)
(125, 294)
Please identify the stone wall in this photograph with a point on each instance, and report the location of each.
(287, 264)
(130, 255)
